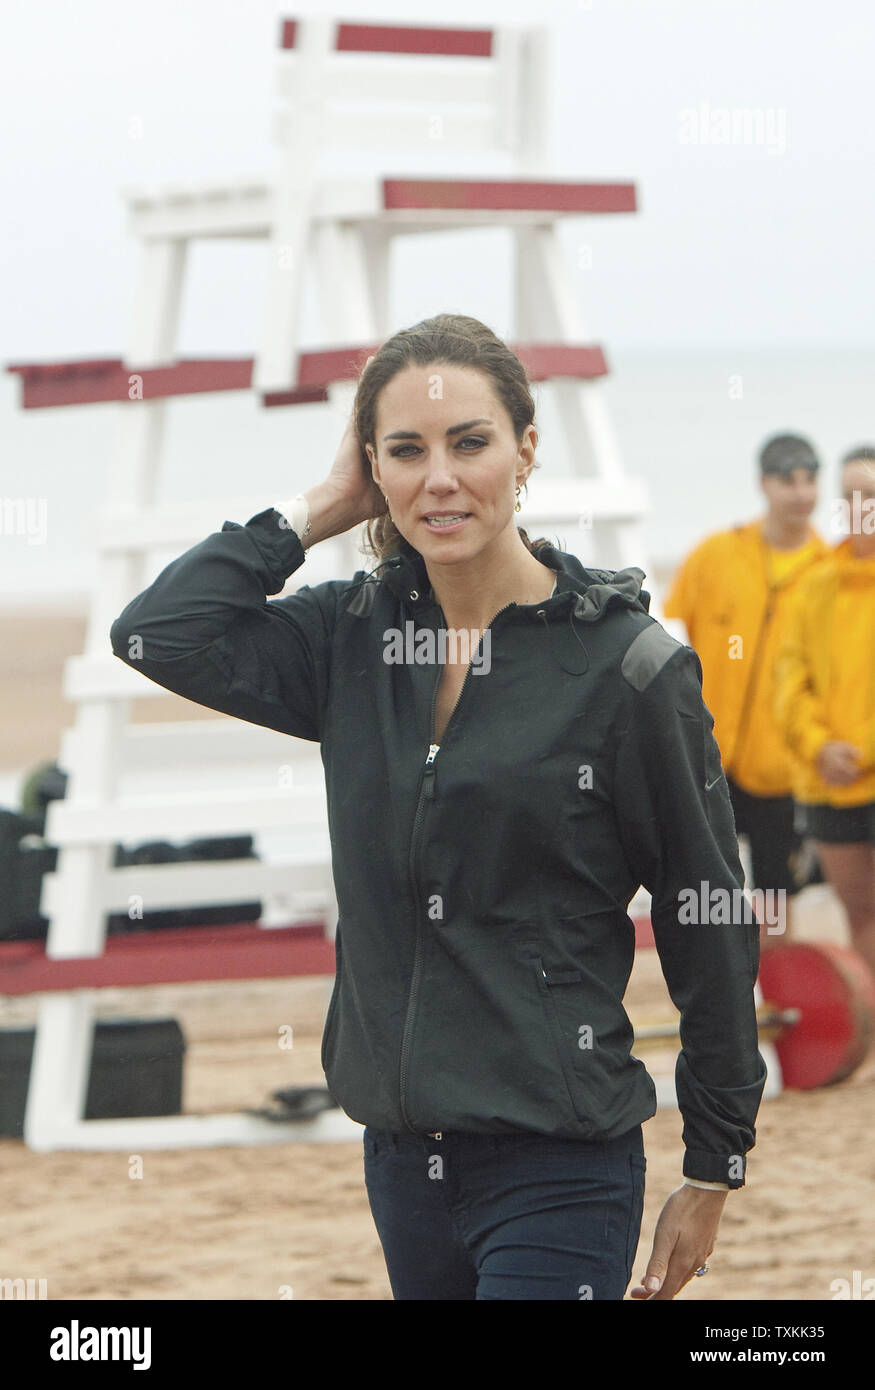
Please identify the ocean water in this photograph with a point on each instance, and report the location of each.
(689, 423)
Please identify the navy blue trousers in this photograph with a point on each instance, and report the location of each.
(506, 1216)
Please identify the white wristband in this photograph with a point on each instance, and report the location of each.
(297, 512)
(712, 1186)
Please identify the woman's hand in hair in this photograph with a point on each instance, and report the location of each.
(352, 481)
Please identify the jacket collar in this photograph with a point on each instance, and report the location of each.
(587, 592)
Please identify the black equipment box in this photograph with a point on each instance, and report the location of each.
(136, 1069)
(25, 858)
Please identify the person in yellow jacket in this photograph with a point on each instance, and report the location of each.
(825, 703)
(732, 594)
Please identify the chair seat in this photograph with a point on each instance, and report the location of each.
(433, 195)
(247, 207)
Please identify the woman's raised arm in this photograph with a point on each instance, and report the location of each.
(206, 630)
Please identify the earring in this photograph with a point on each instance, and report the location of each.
(518, 507)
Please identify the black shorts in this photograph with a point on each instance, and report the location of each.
(778, 855)
(837, 825)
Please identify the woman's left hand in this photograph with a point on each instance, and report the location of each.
(684, 1238)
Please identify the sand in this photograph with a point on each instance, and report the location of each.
(293, 1220)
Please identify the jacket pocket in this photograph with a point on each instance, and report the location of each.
(590, 1066)
(560, 1000)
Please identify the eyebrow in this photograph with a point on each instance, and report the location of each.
(454, 429)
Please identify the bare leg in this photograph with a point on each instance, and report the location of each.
(850, 869)
(769, 933)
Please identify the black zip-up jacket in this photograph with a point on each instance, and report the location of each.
(483, 942)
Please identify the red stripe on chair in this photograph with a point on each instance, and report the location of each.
(380, 38)
(312, 396)
(504, 195)
(333, 364)
(394, 38)
(91, 382)
(92, 366)
(543, 361)
(643, 932)
(66, 383)
(86, 383)
(245, 952)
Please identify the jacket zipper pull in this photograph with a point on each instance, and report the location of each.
(428, 779)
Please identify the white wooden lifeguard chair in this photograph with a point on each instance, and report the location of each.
(349, 94)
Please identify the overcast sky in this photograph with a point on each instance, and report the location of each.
(747, 244)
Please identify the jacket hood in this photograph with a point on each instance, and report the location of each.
(584, 594)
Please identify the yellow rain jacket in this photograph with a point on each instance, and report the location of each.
(733, 593)
(825, 675)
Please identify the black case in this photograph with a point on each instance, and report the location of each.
(22, 866)
(136, 1070)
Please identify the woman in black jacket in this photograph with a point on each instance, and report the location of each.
(511, 746)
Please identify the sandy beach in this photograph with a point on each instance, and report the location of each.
(252, 1223)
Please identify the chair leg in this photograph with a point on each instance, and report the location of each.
(347, 300)
(276, 366)
(546, 308)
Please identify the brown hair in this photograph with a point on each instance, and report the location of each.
(456, 340)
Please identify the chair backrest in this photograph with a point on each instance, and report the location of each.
(384, 87)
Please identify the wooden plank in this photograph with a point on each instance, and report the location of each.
(371, 82)
(509, 195)
(88, 383)
(188, 1132)
(410, 128)
(219, 743)
(197, 883)
(245, 952)
(235, 811)
(110, 379)
(233, 208)
(545, 361)
(401, 38)
(246, 209)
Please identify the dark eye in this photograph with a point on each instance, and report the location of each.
(472, 439)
